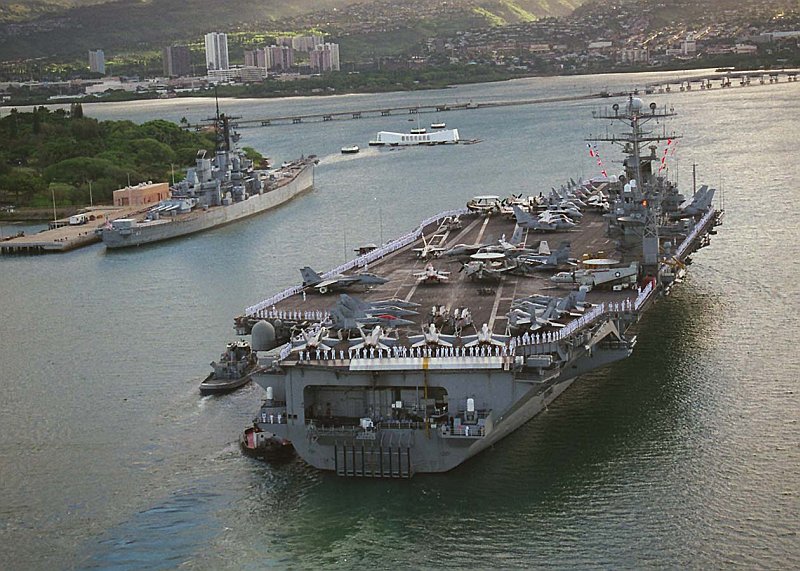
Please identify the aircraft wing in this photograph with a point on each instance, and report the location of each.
(325, 285)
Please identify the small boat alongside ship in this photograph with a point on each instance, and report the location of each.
(265, 445)
(234, 369)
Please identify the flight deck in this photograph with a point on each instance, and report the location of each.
(486, 288)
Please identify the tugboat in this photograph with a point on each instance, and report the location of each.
(235, 367)
(265, 445)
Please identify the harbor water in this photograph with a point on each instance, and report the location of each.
(686, 455)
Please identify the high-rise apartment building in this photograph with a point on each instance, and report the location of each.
(307, 43)
(97, 61)
(325, 57)
(216, 51)
(279, 57)
(177, 61)
(258, 57)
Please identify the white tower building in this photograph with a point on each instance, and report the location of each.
(216, 51)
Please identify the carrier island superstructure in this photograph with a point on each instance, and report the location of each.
(431, 364)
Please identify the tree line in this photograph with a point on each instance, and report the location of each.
(62, 154)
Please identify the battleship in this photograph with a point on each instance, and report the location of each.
(424, 368)
(218, 190)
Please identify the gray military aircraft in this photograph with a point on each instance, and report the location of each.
(396, 307)
(373, 340)
(428, 249)
(574, 303)
(322, 285)
(463, 250)
(350, 313)
(484, 271)
(431, 337)
(559, 219)
(532, 317)
(431, 275)
(484, 336)
(592, 278)
(697, 204)
(309, 340)
(526, 220)
(528, 264)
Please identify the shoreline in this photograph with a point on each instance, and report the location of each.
(246, 91)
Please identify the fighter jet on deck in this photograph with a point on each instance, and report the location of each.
(322, 285)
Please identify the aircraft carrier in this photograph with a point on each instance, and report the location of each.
(469, 325)
(219, 190)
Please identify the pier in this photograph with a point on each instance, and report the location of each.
(62, 236)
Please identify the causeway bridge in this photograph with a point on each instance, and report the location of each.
(721, 79)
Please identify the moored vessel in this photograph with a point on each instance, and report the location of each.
(401, 377)
(218, 190)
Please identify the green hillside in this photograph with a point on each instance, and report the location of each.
(55, 29)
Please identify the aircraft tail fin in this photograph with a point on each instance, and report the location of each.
(550, 312)
(544, 248)
(563, 251)
(521, 215)
(705, 202)
(517, 236)
(310, 277)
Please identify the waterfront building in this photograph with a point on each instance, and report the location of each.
(177, 61)
(227, 75)
(141, 194)
(97, 61)
(325, 57)
(216, 51)
(252, 73)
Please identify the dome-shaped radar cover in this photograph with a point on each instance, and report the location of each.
(262, 337)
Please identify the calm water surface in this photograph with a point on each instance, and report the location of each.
(687, 455)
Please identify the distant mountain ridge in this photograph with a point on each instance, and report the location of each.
(49, 28)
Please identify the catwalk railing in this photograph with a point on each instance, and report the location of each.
(695, 232)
